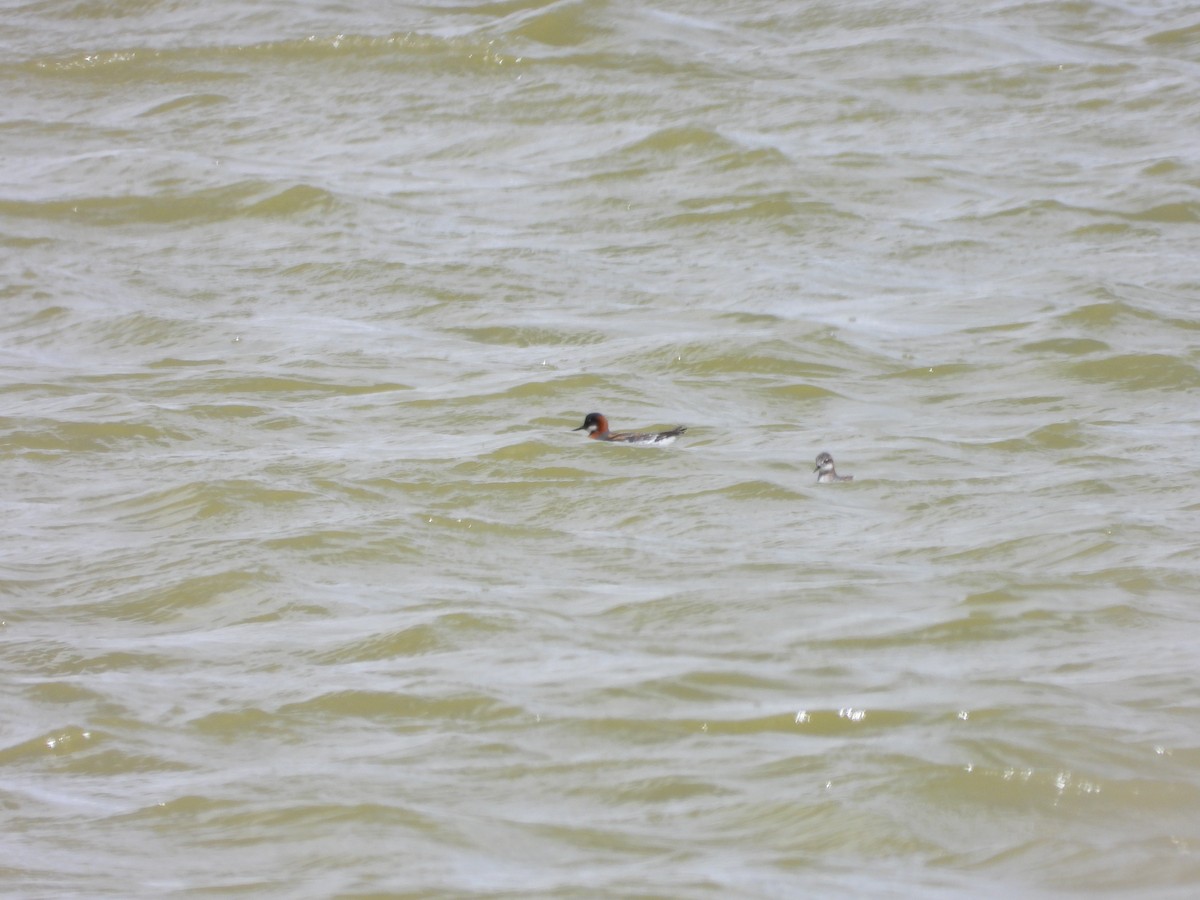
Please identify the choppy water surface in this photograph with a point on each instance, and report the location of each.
(310, 591)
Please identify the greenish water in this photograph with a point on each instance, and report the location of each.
(309, 589)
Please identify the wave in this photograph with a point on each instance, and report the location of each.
(246, 199)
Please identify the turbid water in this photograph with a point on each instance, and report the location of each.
(309, 590)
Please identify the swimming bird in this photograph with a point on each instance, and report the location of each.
(596, 426)
(826, 472)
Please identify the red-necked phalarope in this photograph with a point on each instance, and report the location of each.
(826, 472)
(597, 428)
